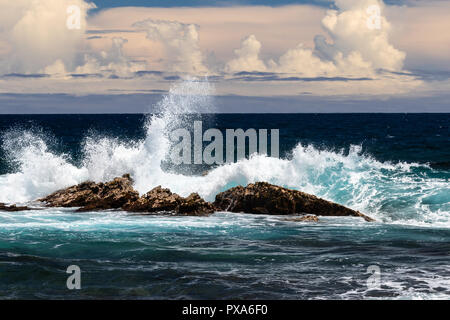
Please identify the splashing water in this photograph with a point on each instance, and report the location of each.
(39, 170)
(404, 193)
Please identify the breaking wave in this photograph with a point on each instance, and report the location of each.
(404, 193)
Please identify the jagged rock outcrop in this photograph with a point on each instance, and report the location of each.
(260, 197)
(265, 198)
(13, 208)
(119, 194)
(305, 218)
(95, 196)
(163, 200)
(195, 205)
(156, 200)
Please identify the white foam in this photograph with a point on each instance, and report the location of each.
(39, 171)
(394, 193)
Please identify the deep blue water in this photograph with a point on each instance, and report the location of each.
(421, 138)
(394, 167)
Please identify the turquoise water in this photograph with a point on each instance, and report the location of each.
(226, 256)
(392, 167)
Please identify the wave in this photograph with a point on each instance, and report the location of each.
(396, 193)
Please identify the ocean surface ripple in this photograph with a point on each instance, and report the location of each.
(394, 168)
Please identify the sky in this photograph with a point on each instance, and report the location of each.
(77, 56)
(101, 4)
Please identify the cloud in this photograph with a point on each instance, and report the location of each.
(112, 62)
(116, 54)
(278, 28)
(56, 69)
(359, 26)
(180, 42)
(359, 46)
(419, 31)
(37, 34)
(247, 57)
(47, 37)
(303, 60)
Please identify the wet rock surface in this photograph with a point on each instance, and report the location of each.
(195, 205)
(265, 198)
(306, 218)
(156, 200)
(95, 196)
(119, 194)
(257, 198)
(163, 200)
(13, 208)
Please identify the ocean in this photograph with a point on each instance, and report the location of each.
(392, 167)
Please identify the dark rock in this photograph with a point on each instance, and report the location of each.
(95, 196)
(265, 198)
(156, 200)
(163, 200)
(119, 193)
(306, 218)
(260, 197)
(195, 205)
(13, 208)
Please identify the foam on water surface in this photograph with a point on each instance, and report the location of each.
(405, 193)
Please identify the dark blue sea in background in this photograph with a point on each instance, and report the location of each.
(393, 167)
(419, 138)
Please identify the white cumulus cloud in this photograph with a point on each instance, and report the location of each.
(247, 57)
(36, 34)
(112, 61)
(359, 26)
(358, 46)
(180, 40)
